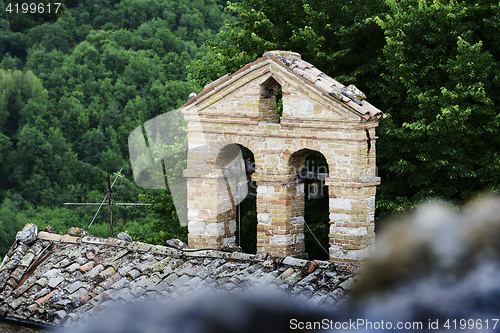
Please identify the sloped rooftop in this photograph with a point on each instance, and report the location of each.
(58, 280)
(331, 89)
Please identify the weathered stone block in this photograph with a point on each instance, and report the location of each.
(196, 227)
(298, 220)
(282, 239)
(263, 217)
(340, 203)
(265, 190)
(215, 229)
(356, 232)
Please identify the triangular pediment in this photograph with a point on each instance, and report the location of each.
(308, 93)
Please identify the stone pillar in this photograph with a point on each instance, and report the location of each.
(280, 211)
(211, 213)
(352, 224)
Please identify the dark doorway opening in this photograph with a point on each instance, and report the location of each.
(316, 213)
(246, 210)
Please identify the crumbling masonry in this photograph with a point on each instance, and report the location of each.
(319, 114)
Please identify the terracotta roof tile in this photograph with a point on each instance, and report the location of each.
(325, 86)
(298, 71)
(315, 72)
(323, 81)
(69, 290)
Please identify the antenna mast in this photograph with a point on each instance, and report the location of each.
(110, 202)
(102, 203)
(110, 211)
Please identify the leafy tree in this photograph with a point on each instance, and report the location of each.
(431, 66)
(73, 89)
(11, 43)
(11, 221)
(42, 62)
(16, 89)
(166, 225)
(12, 63)
(24, 16)
(90, 145)
(5, 146)
(336, 36)
(50, 37)
(440, 82)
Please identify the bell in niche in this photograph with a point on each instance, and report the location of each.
(315, 190)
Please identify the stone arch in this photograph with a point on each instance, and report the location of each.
(298, 145)
(251, 145)
(269, 98)
(298, 194)
(227, 149)
(275, 77)
(224, 144)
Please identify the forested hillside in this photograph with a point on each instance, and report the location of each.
(71, 91)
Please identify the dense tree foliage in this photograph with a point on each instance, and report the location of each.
(336, 36)
(26, 15)
(72, 89)
(431, 65)
(440, 78)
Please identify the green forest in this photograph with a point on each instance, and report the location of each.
(72, 89)
(73, 86)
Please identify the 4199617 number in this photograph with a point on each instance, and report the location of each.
(471, 324)
(33, 8)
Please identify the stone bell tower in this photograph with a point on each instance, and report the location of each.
(319, 114)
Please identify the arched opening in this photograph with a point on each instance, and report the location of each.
(246, 210)
(237, 173)
(311, 168)
(271, 100)
(316, 212)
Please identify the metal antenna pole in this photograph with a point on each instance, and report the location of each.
(114, 203)
(110, 210)
(98, 210)
(110, 202)
(102, 203)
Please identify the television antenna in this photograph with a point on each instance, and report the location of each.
(110, 202)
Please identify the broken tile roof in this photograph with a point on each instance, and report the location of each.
(58, 280)
(331, 89)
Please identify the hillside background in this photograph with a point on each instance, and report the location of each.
(71, 91)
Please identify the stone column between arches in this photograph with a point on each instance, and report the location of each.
(280, 215)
